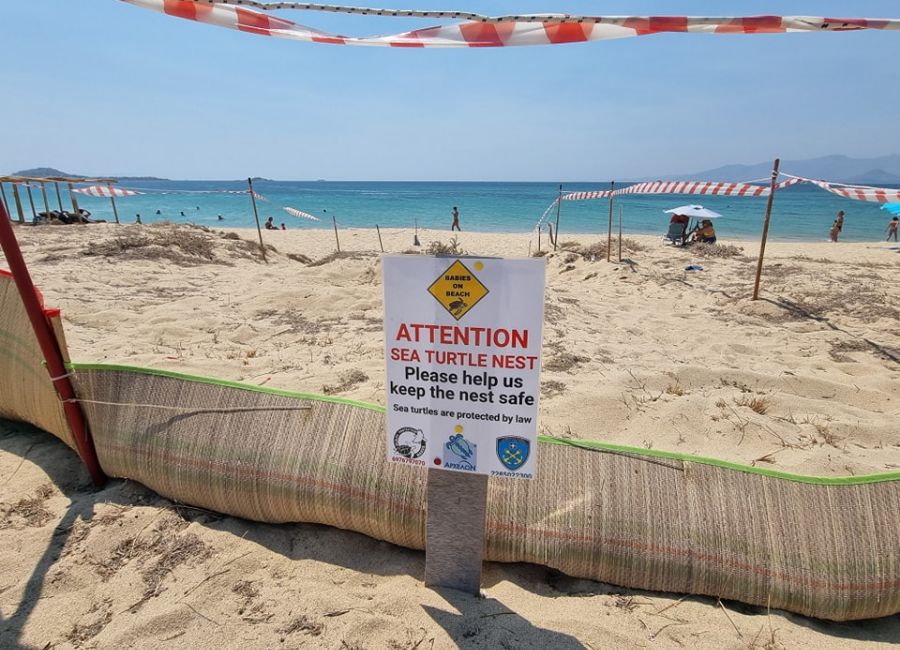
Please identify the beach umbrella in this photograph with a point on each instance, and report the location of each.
(893, 208)
(697, 211)
(101, 191)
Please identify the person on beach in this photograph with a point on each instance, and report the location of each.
(455, 225)
(892, 228)
(704, 233)
(221, 218)
(270, 225)
(838, 226)
(158, 212)
(137, 219)
(282, 227)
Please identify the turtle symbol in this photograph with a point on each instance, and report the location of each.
(456, 307)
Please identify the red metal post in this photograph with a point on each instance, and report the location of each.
(50, 348)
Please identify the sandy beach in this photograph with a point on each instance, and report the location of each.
(641, 352)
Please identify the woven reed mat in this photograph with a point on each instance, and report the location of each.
(26, 392)
(830, 551)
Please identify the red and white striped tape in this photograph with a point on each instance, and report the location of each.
(859, 192)
(487, 31)
(299, 213)
(793, 180)
(586, 196)
(711, 188)
(102, 191)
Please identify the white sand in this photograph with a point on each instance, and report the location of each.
(641, 353)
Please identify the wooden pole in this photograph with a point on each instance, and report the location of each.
(31, 201)
(620, 233)
(558, 208)
(18, 203)
(454, 529)
(336, 240)
(262, 246)
(612, 186)
(50, 348)
(46, 202)
(5, 202)
(58, 196)
(112, 197)
(380, 244)
(74, 202)
(539, 239)
(765, 233)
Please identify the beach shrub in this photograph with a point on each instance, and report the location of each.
(179, 244)
(716, 250)
(440, 248)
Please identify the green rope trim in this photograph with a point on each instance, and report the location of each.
(590, 445)
(223, 382)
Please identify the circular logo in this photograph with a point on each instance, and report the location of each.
(409, 442)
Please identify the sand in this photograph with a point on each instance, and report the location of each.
(640, 352)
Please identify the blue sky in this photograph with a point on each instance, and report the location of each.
(102, 87)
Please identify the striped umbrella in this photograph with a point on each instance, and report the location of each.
(299, 213)
(105, 192)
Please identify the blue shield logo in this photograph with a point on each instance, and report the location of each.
(513, 451)
(460, 453)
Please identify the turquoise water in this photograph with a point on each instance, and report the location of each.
(800, 213)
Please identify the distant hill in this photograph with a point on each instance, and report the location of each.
(875, 176)
(885, 169)
(44, 172)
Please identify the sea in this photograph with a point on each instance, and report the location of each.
(799, 213)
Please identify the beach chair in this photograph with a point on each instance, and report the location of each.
(677, 233)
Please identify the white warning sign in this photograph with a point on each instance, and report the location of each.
(463, 353)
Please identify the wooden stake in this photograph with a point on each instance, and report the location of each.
(380, 244)
(18, 203)
(74, 203)
(336, 240)
(620, 233)
(5, 202)
(539, 239)
(765, 233)
(262, 246)
(555, 238)
(112, 198)
(454, 529)
(31, 201)
(58, 196)
(46, 202)
(49, 346)
(612, 186)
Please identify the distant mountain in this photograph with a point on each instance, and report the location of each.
(876, 176)
(45, 172)
(884, 169)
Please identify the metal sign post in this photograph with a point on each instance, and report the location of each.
(462, 350)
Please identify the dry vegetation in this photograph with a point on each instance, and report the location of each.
(348, 380)
(716, 250)
(450, 249)
(157, 552)
(30, 510)
(342, 255)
